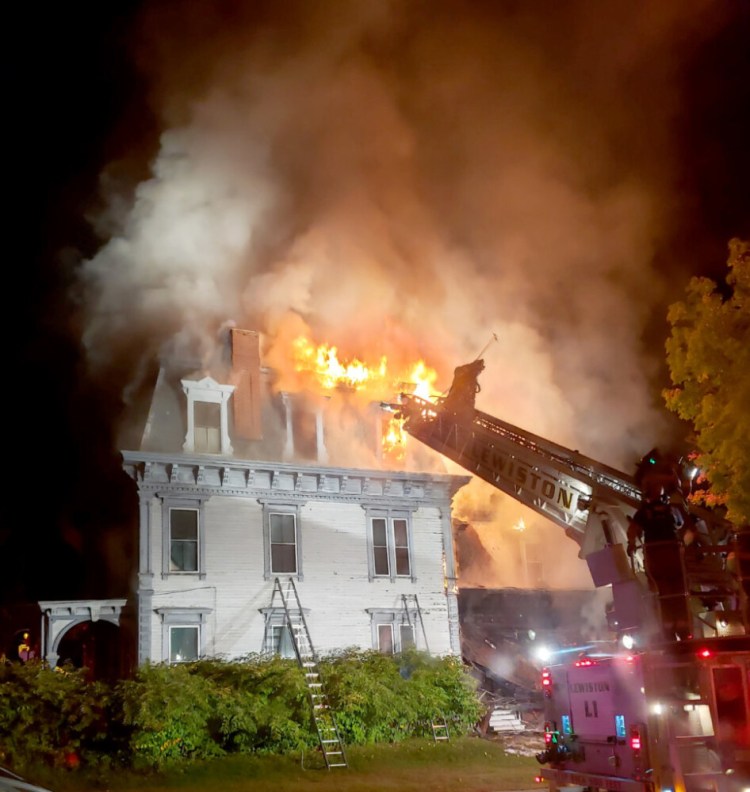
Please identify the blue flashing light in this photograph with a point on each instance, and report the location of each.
(620, 726)
(565, 720)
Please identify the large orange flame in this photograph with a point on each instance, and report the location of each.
(377, 380)
(322, 362)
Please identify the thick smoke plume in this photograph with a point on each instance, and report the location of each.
(405, 179)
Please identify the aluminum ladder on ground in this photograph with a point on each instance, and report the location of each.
(440, 731)
(323, 716)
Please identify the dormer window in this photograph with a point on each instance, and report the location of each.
(207, 416)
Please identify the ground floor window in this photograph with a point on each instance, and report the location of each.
(393, 629)
(277, 634)
(183, 633)
(385, 639)
(279, 641)
(184, 644)
(408, 640)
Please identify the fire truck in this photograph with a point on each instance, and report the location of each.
(659, 710)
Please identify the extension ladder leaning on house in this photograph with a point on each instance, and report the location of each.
(323, 716)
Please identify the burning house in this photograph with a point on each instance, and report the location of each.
(242, 489)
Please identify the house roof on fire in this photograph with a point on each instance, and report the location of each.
(181, 413)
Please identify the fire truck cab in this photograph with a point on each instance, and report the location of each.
(671, 714)
(670, 718)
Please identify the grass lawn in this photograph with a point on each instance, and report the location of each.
(466, 764)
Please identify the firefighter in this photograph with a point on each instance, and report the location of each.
(657, 525)
(465, 386)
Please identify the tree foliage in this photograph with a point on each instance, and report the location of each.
(708, 354)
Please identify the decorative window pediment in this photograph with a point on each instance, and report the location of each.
(207, 429)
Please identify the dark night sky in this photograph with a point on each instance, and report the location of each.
(77, 102)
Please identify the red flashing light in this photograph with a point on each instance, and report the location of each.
(705, 653)
(547, 733)
(546, 678)
(585, 662)
(538, 779)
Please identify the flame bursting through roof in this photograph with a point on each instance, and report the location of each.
(327, 371)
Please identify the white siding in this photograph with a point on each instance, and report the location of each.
(335, 590)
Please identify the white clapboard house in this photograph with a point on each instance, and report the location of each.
(241, 500)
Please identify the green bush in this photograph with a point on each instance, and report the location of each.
(167, 711)
(264, 705)
(379, 698)
(170, 714)
(55, 717)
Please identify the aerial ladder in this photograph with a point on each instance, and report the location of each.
(592, 502)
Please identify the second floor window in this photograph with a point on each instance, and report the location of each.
(283, 540)
(183, 540)
(390, 546)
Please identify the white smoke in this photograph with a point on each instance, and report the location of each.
(407, 179)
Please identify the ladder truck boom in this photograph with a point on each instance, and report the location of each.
(561, 484)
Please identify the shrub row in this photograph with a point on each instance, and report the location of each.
(168, 714)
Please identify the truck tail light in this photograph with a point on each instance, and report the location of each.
(635, 739)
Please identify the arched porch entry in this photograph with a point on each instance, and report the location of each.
(86, 632)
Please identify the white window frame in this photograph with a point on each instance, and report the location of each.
(285, 508)
(193, 627)
(211, 391)
(390, 516)
(182, 504)
(276, 618)
(397, 619)
(192, 618)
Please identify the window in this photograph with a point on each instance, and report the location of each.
(390, 544)
(183, 633)
(380, 546)
(282, 540)
(183, 540)
(277, 636)
(183, 537)
(207, 429)
(385, 638)
(401, 544)
(183, 644)
(283, 543)
(407, 637)
(207, 416)
(280, 641)
(393, 629)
